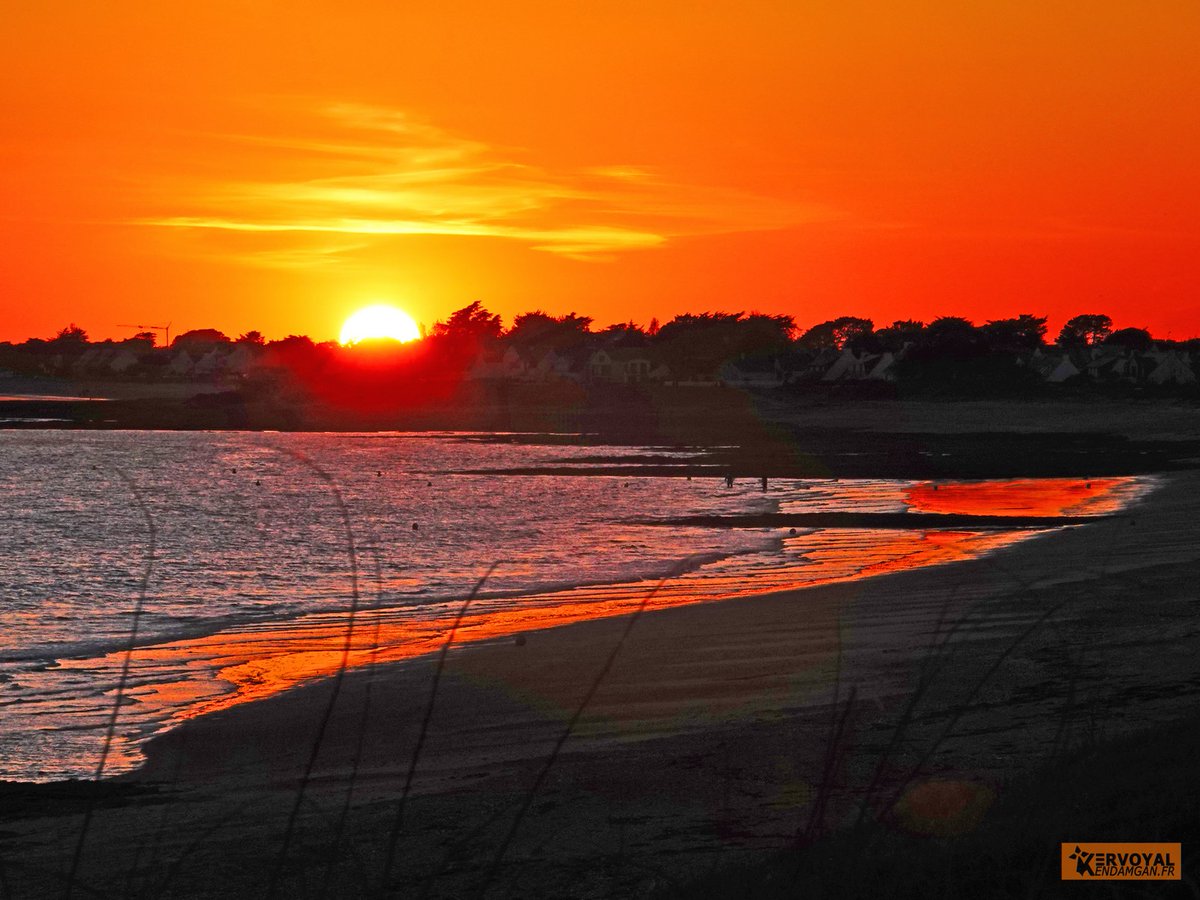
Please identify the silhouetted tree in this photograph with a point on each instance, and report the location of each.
(1131, 338)
(453, 345)
(697, 345)
(899, 334)
(198, 336)
(471, 323)
(538, 329)
(836, 334)
(140, 343)
(1087, 329)
(1024, 333)
(952, 355)
(252, 337)
(292, 343)
(763, 333)
(624, 334)
(951, 337)
(71, 336)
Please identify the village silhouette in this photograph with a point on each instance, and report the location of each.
(754, 350)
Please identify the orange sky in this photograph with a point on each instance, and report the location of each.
(274, 165)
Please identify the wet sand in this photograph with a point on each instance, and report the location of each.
(615, 757)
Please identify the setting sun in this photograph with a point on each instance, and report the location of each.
(380, 321)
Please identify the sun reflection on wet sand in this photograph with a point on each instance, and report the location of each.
(1024, 496)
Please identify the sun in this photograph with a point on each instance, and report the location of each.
(379, 321)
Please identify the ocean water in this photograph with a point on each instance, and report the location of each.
(235, 564)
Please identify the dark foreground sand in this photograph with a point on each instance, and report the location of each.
(705, 743)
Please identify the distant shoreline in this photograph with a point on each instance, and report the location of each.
(745, 434)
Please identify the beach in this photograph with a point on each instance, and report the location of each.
(621, 756)
(650, 451)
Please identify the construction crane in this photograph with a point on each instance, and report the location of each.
(166, 329)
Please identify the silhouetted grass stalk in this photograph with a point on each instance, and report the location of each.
(570, 727)
(364, 719)
(339, 676)
(123, 679)
(439, 668)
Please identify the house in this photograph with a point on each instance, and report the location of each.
(241, 360)
(1170, 367)
(123, 360)
(488, 364)
(883, 368)
(1063, 369)
(850, 366)
(496, 362)
(181, 364)
(560, 365)
(515, 363)
(791, 365)
(93, 357)
(1113, 363)
(210, 363)
(625, 365)
(812, 366)
(751, 371)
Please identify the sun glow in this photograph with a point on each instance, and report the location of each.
(379, 321)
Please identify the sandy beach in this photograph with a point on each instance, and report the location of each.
(618, 757)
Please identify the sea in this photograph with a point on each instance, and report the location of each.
(150, 577)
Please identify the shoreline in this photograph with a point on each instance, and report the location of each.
(258, 660)
(723, 707)
(747, 433)
(1038, 553)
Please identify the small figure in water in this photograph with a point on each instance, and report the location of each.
(416, 527)
(764, 482)
(729, 480)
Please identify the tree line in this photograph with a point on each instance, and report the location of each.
(690, 344)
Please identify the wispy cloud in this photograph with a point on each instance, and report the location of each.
(373, 172)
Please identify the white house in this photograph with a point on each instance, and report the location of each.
(625, 365)
(181, 363)
(1171, 368)
(849, 367)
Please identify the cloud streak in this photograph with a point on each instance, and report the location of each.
(376, 173)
